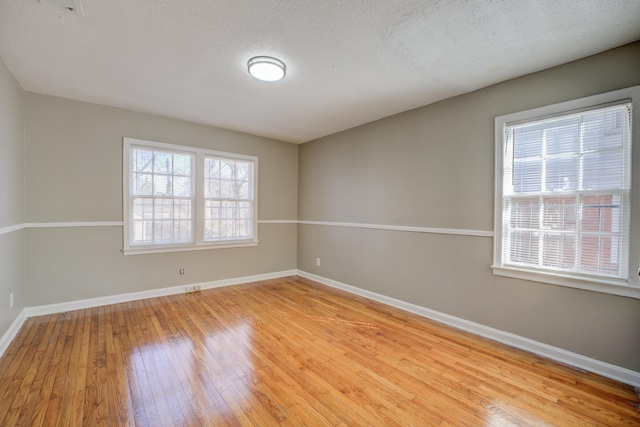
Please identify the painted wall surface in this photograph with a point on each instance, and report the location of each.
(11, 197)
(74, 174)
(434, 167)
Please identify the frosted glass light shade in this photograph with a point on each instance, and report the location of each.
(266, 68)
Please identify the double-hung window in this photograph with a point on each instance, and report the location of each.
(228, 198)
(564, 194)
(184, 198)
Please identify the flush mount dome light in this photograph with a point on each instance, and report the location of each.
(266, 68)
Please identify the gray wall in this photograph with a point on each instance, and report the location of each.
(434, 167)
(74, 174)
(420, 168)
(11, 196)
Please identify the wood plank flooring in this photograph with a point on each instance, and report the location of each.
(285, 352)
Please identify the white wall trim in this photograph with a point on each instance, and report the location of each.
(186, 248)
(42, 310)
(431, 230)
(74, 224)
(558, 354)
(12, 332)
(630, 289)
(108, 224)
(454, 231)
(11, 228)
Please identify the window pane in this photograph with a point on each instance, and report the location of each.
(227, 189)
(561, 174)
(142, 160)
(559, 251)
(243, 190)
(602, 213)
(212, 188)
(181, 165)
(563, 136)
(182, 186)
(162, 232)
(603, 170)
(163, 163)
(242, 171)
(142, 221)
(527, 176)
(524, 212)
(523, 247)
(141, 184)
(162, 185)
(162, 209)
(600, 254)
(211, 168)
(226, 169)
(603, 129)
(560, 213)
(527, 141)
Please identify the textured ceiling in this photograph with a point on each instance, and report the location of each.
(349, 62)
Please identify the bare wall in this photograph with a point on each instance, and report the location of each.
(11, 197)
(74, 174)
(434, 167)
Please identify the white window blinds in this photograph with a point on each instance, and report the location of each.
(565, 193)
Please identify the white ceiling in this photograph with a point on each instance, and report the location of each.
(349, 62)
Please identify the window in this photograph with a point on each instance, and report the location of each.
(183, 198)
(564, 194)
(228, 199)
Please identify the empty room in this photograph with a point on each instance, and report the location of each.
(319, 213)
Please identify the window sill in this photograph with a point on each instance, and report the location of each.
(629, 289)
(206, 246)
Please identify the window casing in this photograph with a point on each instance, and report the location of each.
(565, 194)
(183, 198)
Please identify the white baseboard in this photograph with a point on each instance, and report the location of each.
(555, 353)
(8, 337)
(152, 293)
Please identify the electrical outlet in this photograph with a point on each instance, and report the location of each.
(11, 300)
(181, 271)
(192, 288)
(317, 262)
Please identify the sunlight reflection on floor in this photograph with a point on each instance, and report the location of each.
(215, 369)
(502, 414)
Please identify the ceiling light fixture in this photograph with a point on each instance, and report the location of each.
(266, 68)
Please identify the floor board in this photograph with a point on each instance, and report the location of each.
(286, 352)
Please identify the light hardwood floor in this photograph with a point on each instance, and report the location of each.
(285, 352)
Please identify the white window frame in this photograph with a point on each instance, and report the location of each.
(630, 286)
(198, 215)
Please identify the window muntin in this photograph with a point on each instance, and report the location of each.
(185, 198)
